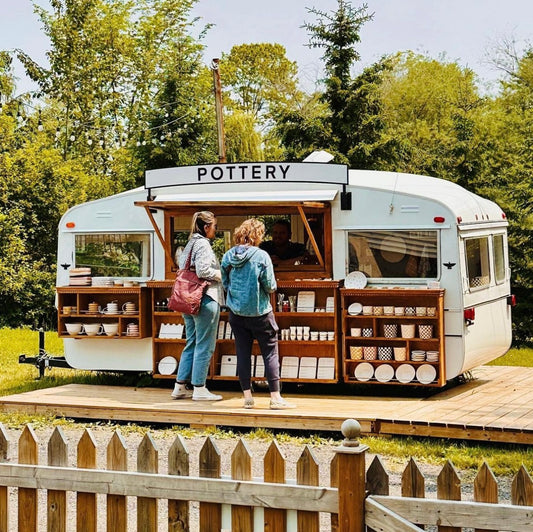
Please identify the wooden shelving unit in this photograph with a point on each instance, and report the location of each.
(306, 351)
(225, 347)
(378, 299)
(80, 297)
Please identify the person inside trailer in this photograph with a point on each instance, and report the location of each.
(281, 249)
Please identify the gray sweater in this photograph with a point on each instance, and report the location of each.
(205, 263)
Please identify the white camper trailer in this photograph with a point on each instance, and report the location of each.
(406, 278)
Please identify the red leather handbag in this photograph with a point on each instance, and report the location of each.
(188, 290)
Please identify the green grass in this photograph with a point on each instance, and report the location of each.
(466, 456)
(515, 357)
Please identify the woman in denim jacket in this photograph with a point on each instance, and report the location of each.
(201, 328)
(248, 278)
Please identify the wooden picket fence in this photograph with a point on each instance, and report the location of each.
(355, 500)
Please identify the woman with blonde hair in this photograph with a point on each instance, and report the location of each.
(248, 278)
(201, 328)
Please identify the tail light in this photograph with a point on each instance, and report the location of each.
(470, 315)
(511, 300)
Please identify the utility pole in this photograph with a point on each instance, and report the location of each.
(219, 111)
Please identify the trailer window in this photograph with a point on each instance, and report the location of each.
(477, 262)
(393, 254)
(499, 258)
(114, 254)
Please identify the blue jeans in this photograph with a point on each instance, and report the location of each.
(201, 333)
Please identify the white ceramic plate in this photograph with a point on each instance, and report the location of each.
(355, 280)
(405, 373)
(355, 308)
(426, 374)
(364, 371)
(384, 373)
(167, 365)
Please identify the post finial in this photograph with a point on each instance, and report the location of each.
(351, 430)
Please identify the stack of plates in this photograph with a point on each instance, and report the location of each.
(405, 373)
(103, 281)
(384, 373)
(364, 371)
(354, 309)
(167, 365)
(80, 277)
(418, 356)
(355, 280)
(432, 356)
(426, 374)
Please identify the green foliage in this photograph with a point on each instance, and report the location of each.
(243, 141)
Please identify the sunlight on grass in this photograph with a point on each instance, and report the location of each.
(515, 357)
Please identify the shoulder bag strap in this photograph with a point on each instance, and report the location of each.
(188, 261)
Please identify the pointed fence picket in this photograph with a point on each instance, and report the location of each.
(355, 500)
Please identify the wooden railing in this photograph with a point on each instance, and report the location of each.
(85, 498)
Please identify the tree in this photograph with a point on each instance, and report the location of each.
(430, 109)
(338, 33)
(508, 180)
(348, 122)
(110, 68)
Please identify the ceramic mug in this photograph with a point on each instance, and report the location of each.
(73, 328)
(110, 329)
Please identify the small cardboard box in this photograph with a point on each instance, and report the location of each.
(221, 330)
(326, 368)
(307, 368)
(289, 367)
(228, 333)
(228, 366)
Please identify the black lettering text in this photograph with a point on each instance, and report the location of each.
(243, 171)
(201, 173)
(230, 168)
(270, 171)
(217, 173)
(284, 170)
(256, 172)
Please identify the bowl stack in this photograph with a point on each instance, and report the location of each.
(103, 281)
(80, 277)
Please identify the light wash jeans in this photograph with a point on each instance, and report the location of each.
(201, 333)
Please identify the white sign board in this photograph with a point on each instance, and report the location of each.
(272, 172)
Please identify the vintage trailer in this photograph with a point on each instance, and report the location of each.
(405, 280)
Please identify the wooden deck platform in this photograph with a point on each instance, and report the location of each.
(497, 405)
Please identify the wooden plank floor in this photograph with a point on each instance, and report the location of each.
(497, 405)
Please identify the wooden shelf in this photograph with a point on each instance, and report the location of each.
(81, 296)
(377, 322)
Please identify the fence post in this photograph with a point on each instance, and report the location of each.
(351, 478)
(4, 495)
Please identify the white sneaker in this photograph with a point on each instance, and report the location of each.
(181, 392)
(201, 393)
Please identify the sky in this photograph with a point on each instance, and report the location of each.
(461, 30)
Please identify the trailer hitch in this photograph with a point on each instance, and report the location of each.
(44, 360)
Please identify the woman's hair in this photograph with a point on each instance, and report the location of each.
(250, 232)
(200, 220)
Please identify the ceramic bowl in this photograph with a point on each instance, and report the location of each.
(73, 328)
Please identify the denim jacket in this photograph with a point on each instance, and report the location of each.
(248, 278)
